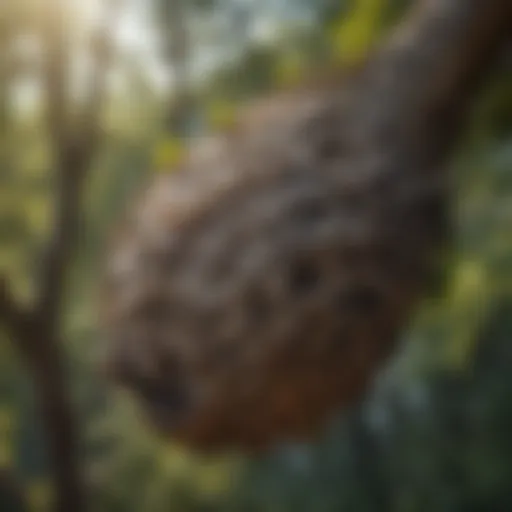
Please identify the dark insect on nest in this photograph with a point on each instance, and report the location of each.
(259, 287)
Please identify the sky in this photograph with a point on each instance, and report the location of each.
(135, 35)
(135, 38)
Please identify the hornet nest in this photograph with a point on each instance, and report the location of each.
(260, 286)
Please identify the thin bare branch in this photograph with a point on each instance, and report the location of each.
(74, 150)
(56, 89)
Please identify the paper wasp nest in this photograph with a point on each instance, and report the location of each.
(257, 289)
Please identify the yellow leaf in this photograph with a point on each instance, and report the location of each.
(168, 153)
(353, 35)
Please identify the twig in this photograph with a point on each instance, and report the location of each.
(74, 150)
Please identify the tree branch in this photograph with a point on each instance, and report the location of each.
(65, 208)
(73, 149)
(429, 68)
(59, 423)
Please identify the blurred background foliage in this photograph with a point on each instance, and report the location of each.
(435, 432)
